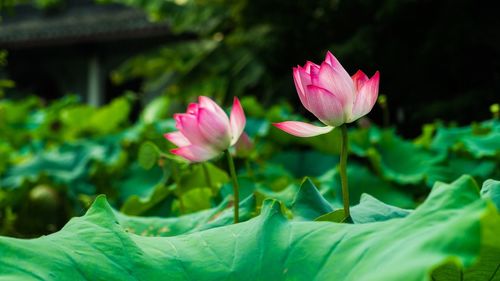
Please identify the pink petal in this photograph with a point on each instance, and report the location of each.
(211, 105)
(333, 62)
(188, 126)
(192, 109)
(359, 79)
(301, 80)
(366, 97)
(214, 128)
(301, 129)
(208, 103)
(336, 81)
(177, 118)
(237, 120)
(311, 68)
(195, 153)
(325, 105)
(177, 138)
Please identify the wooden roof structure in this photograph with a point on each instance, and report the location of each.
(78, 21)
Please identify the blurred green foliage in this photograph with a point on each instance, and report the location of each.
(63, 154)
(4, 83)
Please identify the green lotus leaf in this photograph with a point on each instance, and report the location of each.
(453, 224)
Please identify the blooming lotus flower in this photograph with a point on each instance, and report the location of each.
(333, 96)
(205, 130)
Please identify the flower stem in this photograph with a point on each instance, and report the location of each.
(343, 170)
(177, 180)
(236, 188)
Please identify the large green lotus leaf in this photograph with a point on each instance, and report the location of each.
(455, 166)
(489, 257)
(478, 139)
(491, 190)
(446, 138)
(483, 145)
(452, 224)
(402, 161)
(361, 180)
(215, 217)
(309, 205)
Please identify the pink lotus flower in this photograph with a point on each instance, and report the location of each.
(334, 97)
(205, 130)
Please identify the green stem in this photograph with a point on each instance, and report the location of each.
(343, 170)
(177, 180)
(236, 188)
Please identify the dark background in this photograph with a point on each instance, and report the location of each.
(439, 60)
